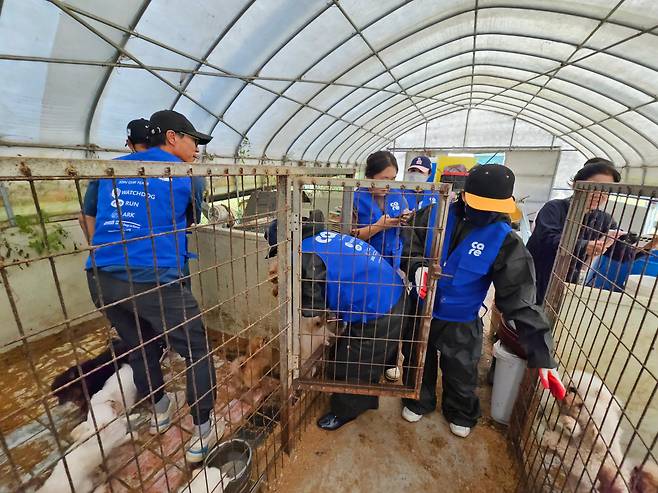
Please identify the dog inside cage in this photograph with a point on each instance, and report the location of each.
(158, 366)
(603, 303)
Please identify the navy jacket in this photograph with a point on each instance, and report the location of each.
(545, 239)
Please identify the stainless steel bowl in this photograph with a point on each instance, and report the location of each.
(234, 459)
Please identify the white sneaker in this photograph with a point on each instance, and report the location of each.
(409, 415)
(160, 422)
(198, 447)
(460, 431)
(393, 374)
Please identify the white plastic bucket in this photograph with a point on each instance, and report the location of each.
(507, 380)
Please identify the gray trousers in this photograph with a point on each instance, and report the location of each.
(145, 324)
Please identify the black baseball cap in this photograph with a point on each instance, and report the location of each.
(421, 163)
(310, 226)
(138, 131)
(489, 187)
(164, 120)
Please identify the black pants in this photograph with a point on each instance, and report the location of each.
(460, 344)
(186, 337)
(362, 355)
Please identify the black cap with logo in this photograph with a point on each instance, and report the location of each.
(138, 131)
(489, 187)
(164, 120)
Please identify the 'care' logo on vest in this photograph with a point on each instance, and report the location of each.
(476, 249)
(395, 206)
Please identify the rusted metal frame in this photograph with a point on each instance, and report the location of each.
(28, 168)
(315, 384)
(434, 273)
(554, 297)
(620, 189)
(587, 352)
(294, 233)
(60, 297)
(31, 359)
(283, 187)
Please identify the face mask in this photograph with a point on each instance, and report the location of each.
(479, 218)
(416, 177)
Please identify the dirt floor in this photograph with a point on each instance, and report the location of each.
(380, 452)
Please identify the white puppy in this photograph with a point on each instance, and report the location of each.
(108, 403)
(83, 459)
(84, 456)
(210, 482)
(588, 440)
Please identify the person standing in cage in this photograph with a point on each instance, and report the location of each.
(145, 275)
(378, 212)
(597, 235)
(479, 249)
(420, 171)
(347, 277)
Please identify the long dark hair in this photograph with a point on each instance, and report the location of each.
(379, 161)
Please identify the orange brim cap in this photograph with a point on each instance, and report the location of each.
(507, 206)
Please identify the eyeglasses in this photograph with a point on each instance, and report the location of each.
(196, 141)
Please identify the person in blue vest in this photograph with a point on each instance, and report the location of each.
(142, 277)
(420, 171)
(137, 140)
(378, 212)
(479, 249)
(348, 278)
(624, 258)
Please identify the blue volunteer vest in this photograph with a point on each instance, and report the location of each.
(467, 270)
(167, 204)
(389, 242)
(360, 286)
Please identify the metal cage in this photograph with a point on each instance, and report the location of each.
(56, 345)
(603, 303)
(350, 352)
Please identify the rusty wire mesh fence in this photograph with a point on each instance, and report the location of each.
(361, 328)
(187, 288)
(603, 303)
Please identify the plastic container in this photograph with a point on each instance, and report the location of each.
(507, 380)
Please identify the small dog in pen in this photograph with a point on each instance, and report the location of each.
(108, 425)
(68, 386)
(588, 441)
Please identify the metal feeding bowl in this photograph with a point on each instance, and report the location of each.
(233, 458)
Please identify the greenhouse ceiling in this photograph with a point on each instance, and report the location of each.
(329, 81)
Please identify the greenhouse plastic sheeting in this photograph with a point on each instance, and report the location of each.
(330, 81)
